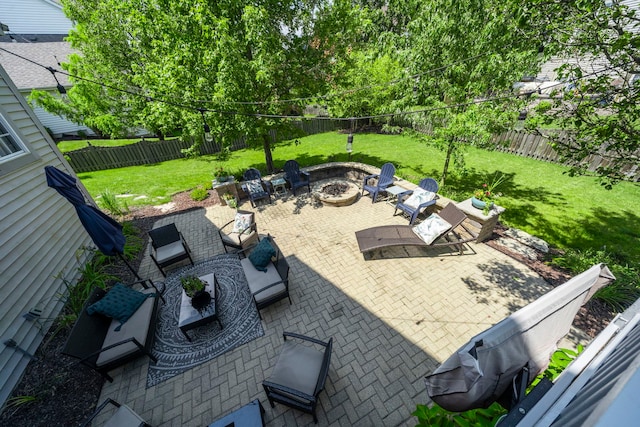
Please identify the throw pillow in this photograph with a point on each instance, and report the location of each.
(254, 186)
(261, 255)
(418, 197)
(431, 228)
(242, 223)
(119, 303)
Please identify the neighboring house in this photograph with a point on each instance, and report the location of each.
(28, 18)
(28, 76)
(37, 29)
(40, 234)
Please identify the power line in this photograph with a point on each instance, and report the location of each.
(201, 110)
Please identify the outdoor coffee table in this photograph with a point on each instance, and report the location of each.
(190, 317)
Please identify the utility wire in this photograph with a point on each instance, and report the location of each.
(277, 116)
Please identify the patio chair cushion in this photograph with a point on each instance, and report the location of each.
(119, 303)
(261, 255)
(136, 327)
(259, 282)
(431, 228)
(418, 197)
(298, 367)
(242, 223)
(170, 251)
(254, 186)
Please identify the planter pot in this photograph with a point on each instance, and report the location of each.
(200, 300)
(479, 204)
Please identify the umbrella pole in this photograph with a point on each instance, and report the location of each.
(129, 265)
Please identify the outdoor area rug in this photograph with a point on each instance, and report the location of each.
(238, 315)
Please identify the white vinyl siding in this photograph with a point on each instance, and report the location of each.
(40, 236)
(34, 17)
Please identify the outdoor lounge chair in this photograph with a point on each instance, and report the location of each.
(456, 234)
(123, 416)
(295, 177)
(383, 180)
(243, 233)
(413, 202)
(255, 187)
(299, 374)
(168, 247)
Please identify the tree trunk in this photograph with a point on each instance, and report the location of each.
(450, 146)
(268, 159)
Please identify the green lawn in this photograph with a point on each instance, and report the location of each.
(567, 212)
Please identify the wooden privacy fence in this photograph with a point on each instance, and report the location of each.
(144, 152)
(538, 147)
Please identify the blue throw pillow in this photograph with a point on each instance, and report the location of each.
(261, 255)
(119, 303)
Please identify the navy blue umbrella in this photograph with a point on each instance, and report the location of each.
(105, 232)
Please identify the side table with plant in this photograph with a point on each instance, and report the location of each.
(484, 198)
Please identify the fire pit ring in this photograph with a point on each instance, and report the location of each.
(336, 192)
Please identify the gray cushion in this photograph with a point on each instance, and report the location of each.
(137, 326)
(298, 367)
(170, 251)
(234, 238)
(258, 280)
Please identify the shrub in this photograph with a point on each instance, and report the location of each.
(199, 193)
(620, 294)
(109, 202)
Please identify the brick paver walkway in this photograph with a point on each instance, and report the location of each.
(393, 319)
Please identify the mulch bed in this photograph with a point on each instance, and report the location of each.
(67, 393)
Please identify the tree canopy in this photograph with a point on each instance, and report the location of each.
(598, 109)
(158, 64)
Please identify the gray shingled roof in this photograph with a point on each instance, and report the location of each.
(30, 76)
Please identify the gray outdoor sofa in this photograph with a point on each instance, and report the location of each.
(103, 344)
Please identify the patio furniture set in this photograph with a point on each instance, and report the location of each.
(118, 325)
(115, 327)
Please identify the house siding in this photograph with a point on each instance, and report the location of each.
(40, 236)
(34, 17)
(58, 125)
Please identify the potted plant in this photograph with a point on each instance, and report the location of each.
(194, 288)
(484, 197)
(230, 200)
(191, 285)
(220, 174)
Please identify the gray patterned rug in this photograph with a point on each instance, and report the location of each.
(238, 315)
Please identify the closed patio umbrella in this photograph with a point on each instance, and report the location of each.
(105, 232)
(485, 369)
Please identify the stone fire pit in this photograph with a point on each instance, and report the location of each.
(335, 192)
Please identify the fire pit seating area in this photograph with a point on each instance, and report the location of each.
(115, 327)
(267, 273)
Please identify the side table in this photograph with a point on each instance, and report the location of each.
(279, 186)
(393, 193)
(250, 415)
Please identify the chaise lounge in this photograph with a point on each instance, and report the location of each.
(453, 233)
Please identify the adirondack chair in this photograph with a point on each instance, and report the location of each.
(255, 187)
(383, 180)
(413, 202)
(295, 177)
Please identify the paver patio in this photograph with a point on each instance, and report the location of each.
(393, 319)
